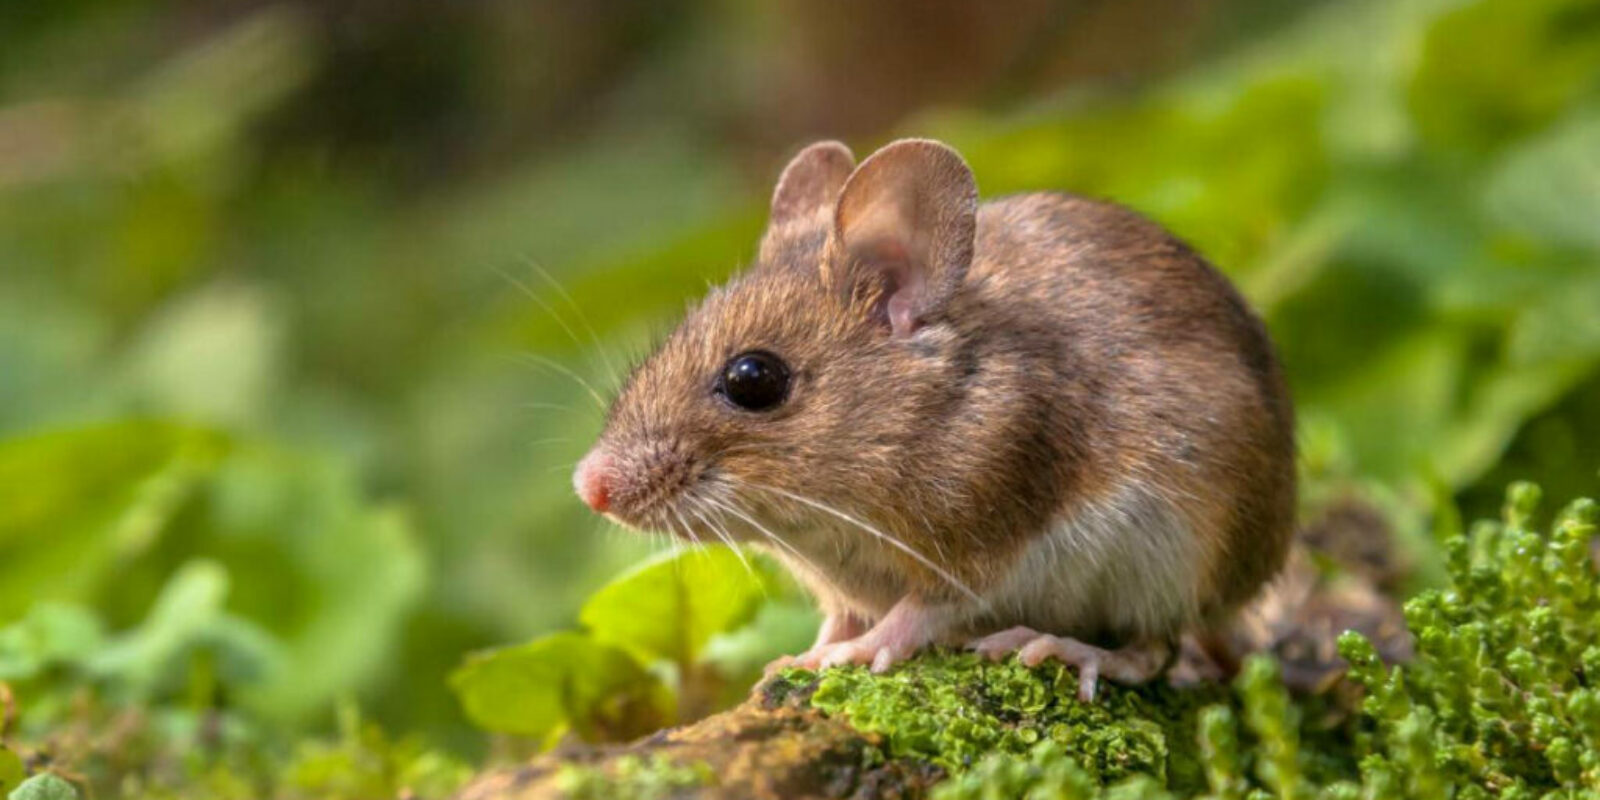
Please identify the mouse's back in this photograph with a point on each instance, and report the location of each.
(1170, 377)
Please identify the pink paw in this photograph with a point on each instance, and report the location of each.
(863, 650)
(997, 646)
(898, 636)
(1131, 665)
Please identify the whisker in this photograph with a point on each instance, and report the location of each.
(730, 507)
(881, 536)
(548, 407)
(726, 538)
(720, 522)
(583, 319)
(687, 530)
(538, 360)
(548, 309)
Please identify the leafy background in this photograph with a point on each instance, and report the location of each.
(297, 302)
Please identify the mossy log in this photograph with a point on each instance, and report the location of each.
(847, 734)
(772, 746)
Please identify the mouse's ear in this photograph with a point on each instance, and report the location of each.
(906, 218)
(811, 182)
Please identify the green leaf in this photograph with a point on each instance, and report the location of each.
(563, 680)
(189, 603)
(11, 770)
(50, 633)
(188, 621)
(76, 503)
(782, 625)
(669, 607)
(44, 786)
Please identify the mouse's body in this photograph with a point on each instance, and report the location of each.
(1035, 424)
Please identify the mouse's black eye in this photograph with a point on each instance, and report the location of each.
(755, 381)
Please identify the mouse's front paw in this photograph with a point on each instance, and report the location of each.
(852, 651)
(863, 650)
(907, 628)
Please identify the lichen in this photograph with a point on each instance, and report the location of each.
(954, 709)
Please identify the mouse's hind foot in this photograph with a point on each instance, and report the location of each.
(1129, 665)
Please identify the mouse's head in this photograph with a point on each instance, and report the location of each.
(806, 382)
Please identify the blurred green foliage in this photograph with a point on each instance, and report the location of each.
(268, 438)
(663, 615)
(12, 770)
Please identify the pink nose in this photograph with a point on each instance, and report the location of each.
(592, 480)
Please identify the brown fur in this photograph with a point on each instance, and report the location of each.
(1071, 350)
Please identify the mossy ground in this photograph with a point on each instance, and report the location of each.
(954, 709)
(1502, 700)
(992, 725)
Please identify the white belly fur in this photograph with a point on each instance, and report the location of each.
(1126, 565)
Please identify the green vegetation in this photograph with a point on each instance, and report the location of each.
(1505, 695)
(272, 468)
(952, 710)
(44, 787)
(693, 613)
(598, 683)
(633, 779)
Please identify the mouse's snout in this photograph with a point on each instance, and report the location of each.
(592, 479)
(635, 483)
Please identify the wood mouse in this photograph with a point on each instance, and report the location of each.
(1039, 424)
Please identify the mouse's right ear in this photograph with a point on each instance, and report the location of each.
(904, 230)
(811, 182)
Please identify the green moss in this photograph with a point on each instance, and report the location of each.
(1048, 770)
(955, 709)
(633, 778)
(1503, 700)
